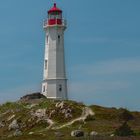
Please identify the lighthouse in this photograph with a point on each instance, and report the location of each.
(54, 85)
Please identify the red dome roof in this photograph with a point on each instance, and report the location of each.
(55, 9)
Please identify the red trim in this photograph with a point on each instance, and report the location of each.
(55, 9)
(55, 21)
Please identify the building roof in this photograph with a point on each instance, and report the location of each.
(54, 9)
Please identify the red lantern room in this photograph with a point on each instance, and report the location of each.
(55, 16)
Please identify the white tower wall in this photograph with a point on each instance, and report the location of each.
(54, 78)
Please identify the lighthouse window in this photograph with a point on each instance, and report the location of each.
(58, 38)
(60, 88)
(47, 39)
(46, 63)
(44, 88)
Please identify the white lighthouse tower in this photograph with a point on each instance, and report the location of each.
(54, 84)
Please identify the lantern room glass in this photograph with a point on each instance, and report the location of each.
(55, 15)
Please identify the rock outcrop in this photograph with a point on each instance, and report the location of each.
(13, 125)
(77, 133)
(45, 119)
(32, 96)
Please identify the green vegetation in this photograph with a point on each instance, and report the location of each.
(103, 113)
(105, 122)
(90, 118)
(9, 105)
(125, 115)
(109, 119)
(46, 104)
(124, 130)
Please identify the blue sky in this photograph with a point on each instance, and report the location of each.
(102, 45)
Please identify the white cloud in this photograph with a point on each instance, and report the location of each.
(106, 82)
(122, 42)
(100, 86)
(111, 67)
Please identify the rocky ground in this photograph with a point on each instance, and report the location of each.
(35, 117)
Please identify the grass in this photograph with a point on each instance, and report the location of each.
(105, 113)
(10, 106)
(108, 119)
(105, 121)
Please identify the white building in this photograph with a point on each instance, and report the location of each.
(54, 84)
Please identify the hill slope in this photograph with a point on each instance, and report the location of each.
(42, 118)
